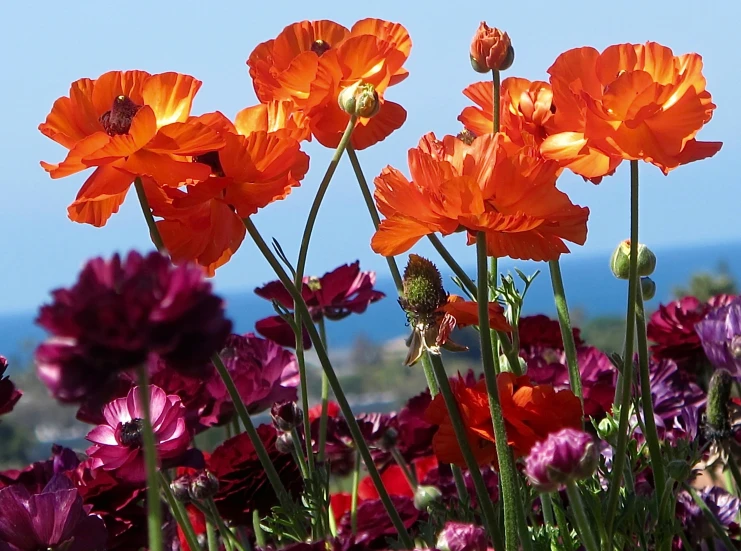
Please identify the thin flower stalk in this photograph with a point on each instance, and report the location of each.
(211, 538)
(334, 383)
(178, 511)
(711, 518)
(354, 495)
(430, 375)
(154, 233)
(582, 523)
(154, 504)
(496, 91)
(563, 525)
(324, 418)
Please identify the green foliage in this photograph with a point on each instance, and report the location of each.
(704, 285)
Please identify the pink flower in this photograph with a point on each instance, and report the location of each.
(117, 445)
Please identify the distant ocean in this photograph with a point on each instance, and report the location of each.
(591, 291)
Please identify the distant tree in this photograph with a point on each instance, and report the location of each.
(16, 445)
(704, 285)
(365, 352)
(605, 333)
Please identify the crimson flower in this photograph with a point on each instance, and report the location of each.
(9, 394)
(37, 475)
(118, 313)
(117, 445)
(337, 294)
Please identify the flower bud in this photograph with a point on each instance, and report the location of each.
(360, 100)
(717, 417)
(648, 288)
(459, 536)
(679, 470)
(389, 438)
(607, 428)
(504, 364)
(423, 291)
(565, 456)
(284, 443)
(286, 416)
(204, 485)
(491, 50)
(426, 496)
(620, 260)
(180, 488)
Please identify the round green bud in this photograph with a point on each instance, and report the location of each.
(648, 288)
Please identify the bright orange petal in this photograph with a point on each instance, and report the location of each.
(170, 95)
(397, 235)
(100, 196)
(165, 169)
(369, 132)
(191, 138)
(73, 163)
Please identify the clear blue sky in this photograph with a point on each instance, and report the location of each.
(46, 45)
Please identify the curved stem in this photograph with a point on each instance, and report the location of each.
(652, 434)
(567, 335)
(625, 377)
(406, 470)
(368, 198)
(452, 263)
(324, 418)
(482, 494)
(249, 428)
(334, 382)
(580, 514)
(154, 504)
(507, 471)
(154, 233)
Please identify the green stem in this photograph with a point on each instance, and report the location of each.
(154, 233)
(460, 486)
(547, 505)
(354, 495)
(324, 418)
(304, 384)
(563, 526)
(625, 377)
(368, 198)
(213, 541)
(567, 335)
(226, 534)
(495, 99)
(259, 534)
(334, 382)
(507, 471)
(430, 375)
(154, 504)
(298, 451)
(482, 493)
(180, 513)
(405, 468)
(262, 453)
(717, 526)
(582, 524)
(651, 434)
(452, 263)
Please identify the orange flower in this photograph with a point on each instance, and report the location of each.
(127, 124)
(491, 50)
(490, 185)
(632, 101)
(275, 116)
(526, 109)
(531, 413)
(204, 224)
(311, 62)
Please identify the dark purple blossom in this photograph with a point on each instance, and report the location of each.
(460, 536)
(37, 475)
(565, 456)
(374, 525)
(121, 311)
(54, 519)
(337, 294)
(9, 395)
(724, 506)
(542, 332)
(720, 334)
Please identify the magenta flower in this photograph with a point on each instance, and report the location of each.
(121, 311)
(460, 536)
(720, 334)
(337, 294)
(263, 372)
(117, 445)
(9, 395)
(565, 456)
(53, 520)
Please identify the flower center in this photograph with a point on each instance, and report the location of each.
(130, 433)
(320, 46)
(118, 119)
(211, 158)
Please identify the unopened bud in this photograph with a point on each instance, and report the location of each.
(491, 50)
(284, 443)
(426, 496)
(204, 485)
(504, 364)
(648, 288)
(360, 100)
(389, 438)
(717, 417)
(620, 260)
(286, 416)
(180, 488)
(423, 291)
(679, 470)
(607, 428)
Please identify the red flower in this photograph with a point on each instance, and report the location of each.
(541, 332)
(491, 49)
(315, 412)
(127, 124)
(9, 394)
(632, 101)
(531, 412)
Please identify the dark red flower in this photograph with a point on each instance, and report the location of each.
(121, 311)
(441, 477)
(315, 412)
(243, 485)
(374, 524)
(9, 395)
(543, 332)
(337, 294)
(39, 474)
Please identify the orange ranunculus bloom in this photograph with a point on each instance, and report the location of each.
(491, 49)
(491, 185)
(311, 62)
(531, 413)
(204, 224)
(275, 116)
(127, 124)
(526, 109)
(632, 101)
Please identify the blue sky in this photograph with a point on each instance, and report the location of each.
(49, 44)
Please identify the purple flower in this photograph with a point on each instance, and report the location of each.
(39, 474)
(9, 395)
(720, 334)
(121, 311)
(117, 445)
(263, 372)
(337, 294)
(53, 519)
(565, 456)
(723, 505)
(458, 536)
